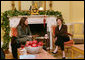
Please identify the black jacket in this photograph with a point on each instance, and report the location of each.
(62, 32)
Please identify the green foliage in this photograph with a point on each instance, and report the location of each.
(5, 22)
(42, 12)
(55, 13)
(6, 29)
(50, 13)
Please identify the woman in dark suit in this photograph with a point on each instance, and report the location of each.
(61, 36)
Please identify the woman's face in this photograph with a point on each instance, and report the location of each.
(26, 22)
(59, 22)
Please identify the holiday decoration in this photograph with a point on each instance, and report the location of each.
(44, 21)
(10, 13)
(34, 47)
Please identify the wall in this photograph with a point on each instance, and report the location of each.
(5, 5)
(77, 16)
(63, 7)
(77, 11)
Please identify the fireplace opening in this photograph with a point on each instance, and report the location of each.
(38, 29)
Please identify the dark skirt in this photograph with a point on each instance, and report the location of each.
(60, 41)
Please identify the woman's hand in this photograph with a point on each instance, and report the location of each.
(35, 36)
(55, 38)
(30, 36)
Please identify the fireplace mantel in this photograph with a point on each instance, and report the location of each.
(32, 16)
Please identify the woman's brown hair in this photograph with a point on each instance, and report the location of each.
(62, 20)
(22, 23)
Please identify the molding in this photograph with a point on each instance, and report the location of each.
(45, 5)
(33, 16)
(19, 5)
(50, 5)
(13, 5)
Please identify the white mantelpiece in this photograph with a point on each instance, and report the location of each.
(35, 19)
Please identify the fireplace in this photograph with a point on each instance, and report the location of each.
(34, 20)
(38, 29)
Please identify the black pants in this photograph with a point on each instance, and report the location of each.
(14, 46)
(60, 41)
(14, 50)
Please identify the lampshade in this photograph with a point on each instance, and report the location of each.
(41, 8)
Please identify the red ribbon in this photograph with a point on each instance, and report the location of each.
(44, 21)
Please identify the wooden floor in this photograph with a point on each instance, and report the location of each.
(68, 54)
(57, 56)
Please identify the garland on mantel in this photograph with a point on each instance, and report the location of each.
(5, 22)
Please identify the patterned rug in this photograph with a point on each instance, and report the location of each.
(68, 54)
(57, 56)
